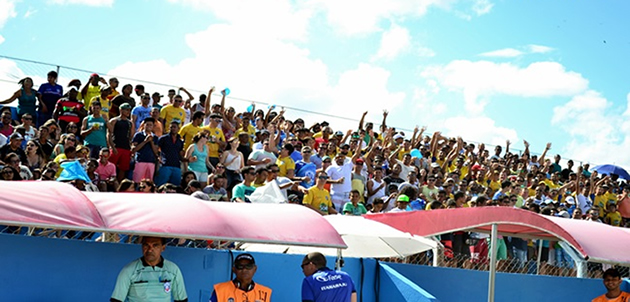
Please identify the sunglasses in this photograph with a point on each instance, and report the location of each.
(27, 118)
(244, 266)
(7, 172)
(305, 264)
(323, 177)
(142, 187)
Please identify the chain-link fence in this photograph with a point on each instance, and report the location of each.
(528, 263)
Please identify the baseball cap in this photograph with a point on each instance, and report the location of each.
(324, 124)
(105, 88)
(70, 88)
(359, 161)
(16, 135)
(299, 120)
(564, 214)
(200, 195)
(403, 198)
(157, 94)
(570, 200)
(94, 75)
(339, 133)
(326, 158)
(245, 256)
(125, 106)
(397, 136)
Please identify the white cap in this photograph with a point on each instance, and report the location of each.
(397, 136)
(564, 214)
(570, 200)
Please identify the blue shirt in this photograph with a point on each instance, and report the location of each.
(418, 205)
(327, 285)
(141, 114)
(50, 95)
(145, 154)
(296, 155)
(170, 149)
(302, 169)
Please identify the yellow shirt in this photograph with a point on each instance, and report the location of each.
(602, 201)
(213, 148)
(92, 92)
(171, 113)
(463, 171)
(113, 94)
(251, 131)
(58, 160)
(318, 198)
(187, 132)
(106, 104)
(613, 218)
(285, 164)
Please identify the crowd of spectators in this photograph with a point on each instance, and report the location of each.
(171, 144)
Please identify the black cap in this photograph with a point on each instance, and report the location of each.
(245, 256)
(324, 124)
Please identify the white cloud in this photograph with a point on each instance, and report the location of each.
(478, 129)
(1, 39)
(503, 53)
(7, 11)
(596, 132)
(268, 70)
(539, 48)
(107, 3)
(353, 17)
(481, 79)
(482, 7)
(275, 18)
(31, 11)
(393, 42)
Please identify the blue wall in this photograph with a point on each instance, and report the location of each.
(448, 284)
(44, 269)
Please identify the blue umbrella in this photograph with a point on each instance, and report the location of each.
(612, 169)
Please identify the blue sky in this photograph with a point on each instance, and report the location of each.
(488, 71)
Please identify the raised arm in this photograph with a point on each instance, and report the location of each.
(16, 95)
(384, 123)
(190, 96)
(206, 107)
(541, 160)
(362, 120)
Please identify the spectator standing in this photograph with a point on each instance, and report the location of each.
(171, 153)
(318, 198)
(144, 145)
(233, 161)
(27, 98)
(142, 111)
(341, 173)
(69, 109)
(94, 130)
(173, 112)
(92, 88)
(216, 139)
(197, 157)
(322, 284)
(103, 98)
(120, 132)
(188, 131)
(305, 169)
(50, 92)
(260, 158)
(150, 278)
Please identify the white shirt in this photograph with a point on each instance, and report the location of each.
(335, 172)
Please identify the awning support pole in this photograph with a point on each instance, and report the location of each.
(493, 261)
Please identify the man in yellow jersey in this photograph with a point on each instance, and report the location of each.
(173, 112)
(612, 282)
(317, 198)
(216, 141)
(242, 288)
(189, 130)
(92, 89)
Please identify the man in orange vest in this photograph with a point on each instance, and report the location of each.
(242, 288)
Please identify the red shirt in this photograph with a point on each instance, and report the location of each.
(69, 110)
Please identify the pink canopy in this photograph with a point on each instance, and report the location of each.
(179, 215)
(593, 241)
(46, 204)
(59, 205)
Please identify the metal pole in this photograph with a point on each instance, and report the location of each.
(493, 261)
(436, 255)
(540, 246)
(338, 262)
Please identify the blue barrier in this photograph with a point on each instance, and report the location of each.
(46, 269)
